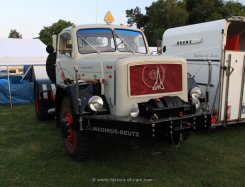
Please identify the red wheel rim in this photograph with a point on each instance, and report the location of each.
(71, 133)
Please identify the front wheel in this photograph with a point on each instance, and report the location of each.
(79, 145)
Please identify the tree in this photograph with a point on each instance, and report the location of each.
(14, 34)
(209, 10)
(204, 10)
(164, 14)
(159, 16)
(136, 17)
(46, 33)
(168, 13)
(233, 9)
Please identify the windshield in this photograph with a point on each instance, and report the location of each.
(102, 40)
(130, 41)
(94, 40)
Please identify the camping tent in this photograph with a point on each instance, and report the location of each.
(19, 52)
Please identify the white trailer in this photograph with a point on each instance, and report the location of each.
(215, 52)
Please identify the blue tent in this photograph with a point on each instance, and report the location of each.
(21, 91)
(19, 52)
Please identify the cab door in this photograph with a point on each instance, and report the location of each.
(64, 61)
(233, 99)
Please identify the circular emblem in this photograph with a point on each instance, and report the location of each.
(153, 76)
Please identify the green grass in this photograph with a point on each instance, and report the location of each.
(32, 154)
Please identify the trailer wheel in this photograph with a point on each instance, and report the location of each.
(79, 145)
(41, 111)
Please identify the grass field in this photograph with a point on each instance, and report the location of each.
(32, 154)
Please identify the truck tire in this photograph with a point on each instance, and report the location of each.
(177, 101)
(41, 111)
(167, 102)
(79, 145)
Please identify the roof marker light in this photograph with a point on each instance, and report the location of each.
(109, 18)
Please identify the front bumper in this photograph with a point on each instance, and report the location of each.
(142, 127)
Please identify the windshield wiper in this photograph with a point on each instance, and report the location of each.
(123, 41)
(85, 41)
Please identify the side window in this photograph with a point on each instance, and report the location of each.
(65, 45)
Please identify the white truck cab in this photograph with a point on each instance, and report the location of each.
(107, 82)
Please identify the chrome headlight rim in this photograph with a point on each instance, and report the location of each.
(195, 95)
(196, 92)
(96, 103)
(134, 111)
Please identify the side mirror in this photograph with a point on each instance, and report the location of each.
(50, 49)
(54, 42)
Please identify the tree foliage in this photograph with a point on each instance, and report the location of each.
(164, 14)
(46, 33)
(204, 10)
(233, 9)
(14, 34)
(136, 17)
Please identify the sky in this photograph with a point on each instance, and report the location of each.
(29, 17)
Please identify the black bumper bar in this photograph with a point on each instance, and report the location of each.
(142, 127)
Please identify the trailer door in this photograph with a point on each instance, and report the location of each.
(233, 99)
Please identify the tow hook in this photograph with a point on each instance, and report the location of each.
(189, 124)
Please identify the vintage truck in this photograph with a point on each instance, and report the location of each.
(215, 54)
(107, 82)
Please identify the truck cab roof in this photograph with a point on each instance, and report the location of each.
(100, 38)
(97, 26)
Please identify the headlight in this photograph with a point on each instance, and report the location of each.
(134, 111)
(95, 103)
(196, 92)
(195, 95)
